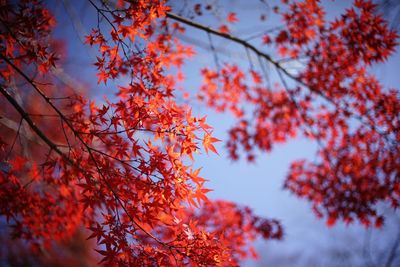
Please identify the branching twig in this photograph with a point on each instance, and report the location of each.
(56, 149)
(275, 63)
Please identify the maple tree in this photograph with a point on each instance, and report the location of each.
(124, 169)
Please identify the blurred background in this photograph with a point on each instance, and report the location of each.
(259, 185)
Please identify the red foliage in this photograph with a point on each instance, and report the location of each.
(335, 102)
(124, 169)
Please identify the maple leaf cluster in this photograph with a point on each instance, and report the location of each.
(332, 100)
(124, 168)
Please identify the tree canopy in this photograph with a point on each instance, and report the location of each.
(123, 168)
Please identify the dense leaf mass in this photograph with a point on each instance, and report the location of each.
(124, 168)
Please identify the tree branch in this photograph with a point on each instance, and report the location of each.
(275, 63)
(55, 148)
(32, 124)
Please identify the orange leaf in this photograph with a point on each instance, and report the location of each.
(208, 141)
(232, 17)
(224, 29)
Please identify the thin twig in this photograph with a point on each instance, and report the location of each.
(275, 63)
(55, 148)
